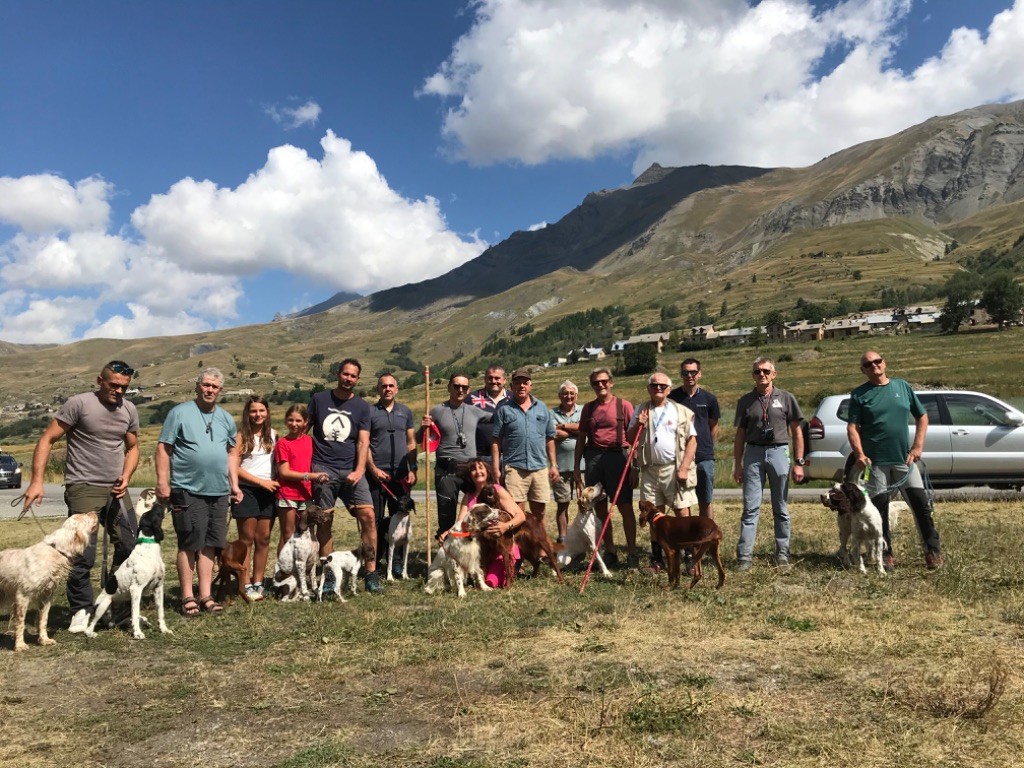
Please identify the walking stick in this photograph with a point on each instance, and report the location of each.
(426, 464)
(611, 506)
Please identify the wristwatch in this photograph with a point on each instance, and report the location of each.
(801, 462)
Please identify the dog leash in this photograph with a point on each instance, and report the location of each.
(27, 509)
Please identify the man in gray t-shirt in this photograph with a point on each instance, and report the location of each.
(457, 422)
(102, 430)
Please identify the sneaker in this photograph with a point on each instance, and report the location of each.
(933, 560)
(79, 622)
(328, 580)
(632, 562)
(611, 560)
(744, 565)
(372, 582)
(254, 592)
(889, 563)
(782, 561)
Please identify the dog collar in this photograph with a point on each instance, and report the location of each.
(460, 534)
(145, 540)
(656, 518)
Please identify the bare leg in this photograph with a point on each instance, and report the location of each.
(367, 535)
(246, 534)
(261, 549)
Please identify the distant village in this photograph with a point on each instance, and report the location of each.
(891, 321)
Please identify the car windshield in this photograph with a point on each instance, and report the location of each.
(8, 462)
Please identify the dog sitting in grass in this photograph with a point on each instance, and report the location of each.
(860, 525)
(295, 572)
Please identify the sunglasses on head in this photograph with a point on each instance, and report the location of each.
(122, 368)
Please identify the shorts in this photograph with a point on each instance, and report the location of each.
(199, 521)
(705, 481)
(659, 485)
(564, 489)
(525, 484)
(326, 495)
(256, 502)
(607, 468)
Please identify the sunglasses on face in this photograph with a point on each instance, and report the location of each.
(122, 368)
(600, 383)
(460, 386)
(689, 373)
(870, 363)
(762, 372)
(658, 386)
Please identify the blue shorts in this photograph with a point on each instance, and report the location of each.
(705, 481)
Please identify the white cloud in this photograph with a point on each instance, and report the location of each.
(335, 221)
(294, 117)
(47, 203)
(704, 81)
(537, 227)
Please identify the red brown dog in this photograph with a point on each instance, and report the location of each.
(678, 533)
(232, 562)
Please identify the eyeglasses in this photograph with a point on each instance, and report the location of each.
(658, 386)
(869, 363)
(762, 372)
(460, 386)
(600, 383)
(121, 367)
(686, 373)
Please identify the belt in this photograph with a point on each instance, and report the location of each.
(595, 449)
(450, 466)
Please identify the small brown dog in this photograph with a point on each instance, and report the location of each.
(677, 533)
(231, 562)
(535, 544)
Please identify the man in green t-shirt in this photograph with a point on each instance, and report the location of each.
(880, 410)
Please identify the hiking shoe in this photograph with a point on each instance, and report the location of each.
(79, 622)
(610, 559)
(889, 563)
(329, 580)
(632, 562)
(372, 582)
(744, 565)
(933, 560)
(254, 592)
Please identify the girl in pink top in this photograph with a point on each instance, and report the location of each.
(293, 456)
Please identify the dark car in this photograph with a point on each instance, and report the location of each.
(10, 471)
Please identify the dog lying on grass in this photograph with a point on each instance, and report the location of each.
(678, 533)
(142, 572)
(29, 576)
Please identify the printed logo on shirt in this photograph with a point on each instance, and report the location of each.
(336, 426)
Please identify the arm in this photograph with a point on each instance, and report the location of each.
(920, 429)
(798, 448)
(285, 472)
(737, 454)
(496, 457)
(131, 461)
(233, 462)
(639, 422)
(162, 460)
(856, 447)
(362, 451)
(463, 511)
(509, 506)
(553, 474)
(713, 424)
(410, 456)
(581, 443)
(54, 432)
(372, 470)
(687, 462)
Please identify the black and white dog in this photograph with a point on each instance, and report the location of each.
(345, 568)
(399, 534)
(141, 572)
(858, 519)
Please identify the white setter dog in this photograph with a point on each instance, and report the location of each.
(582, 533)
(142, 572)
(345, 567)
(459, 554)
(295, 572)
(29, 576)
(399, 534)
(858, 519)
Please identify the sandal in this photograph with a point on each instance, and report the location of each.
(189, 607)
(209, 605)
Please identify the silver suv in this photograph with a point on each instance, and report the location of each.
(972, 439)
(10, 471)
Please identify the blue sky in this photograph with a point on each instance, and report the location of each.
(175, 167)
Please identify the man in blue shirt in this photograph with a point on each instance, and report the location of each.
(524, 435)
(197, 473)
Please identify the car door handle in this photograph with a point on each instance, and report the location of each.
(959, 432)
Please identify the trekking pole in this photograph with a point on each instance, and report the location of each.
(611, 505)
(426, 467)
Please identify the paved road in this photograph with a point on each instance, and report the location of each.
(53, 498)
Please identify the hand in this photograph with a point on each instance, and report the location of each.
(643, 417)
(236, 495)
(798, 473)
(381, 475)
(914, 456)
(163, 492)
(554, 475)
(354, 476)
(34, 494)
(410, 480)
(683, 475)
(120, 487)
(270, 485)
(862, 461)
(426, 421)
(737, 475)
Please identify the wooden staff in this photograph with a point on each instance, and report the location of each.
(426, 470)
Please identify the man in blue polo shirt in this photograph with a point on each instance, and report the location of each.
(706, 416)
(524, 436)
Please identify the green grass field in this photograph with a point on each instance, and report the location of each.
(811, 667)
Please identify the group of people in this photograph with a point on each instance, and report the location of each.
(498, 440)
